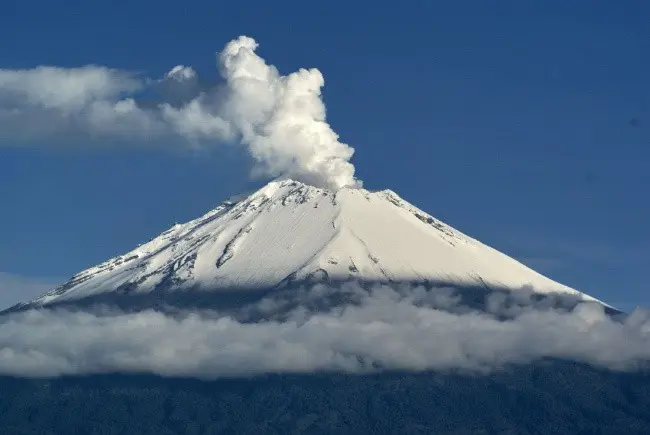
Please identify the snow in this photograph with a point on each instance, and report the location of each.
(289, 231)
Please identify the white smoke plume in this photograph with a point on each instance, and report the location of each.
(283, 118)
(279, 119)
(386, 328)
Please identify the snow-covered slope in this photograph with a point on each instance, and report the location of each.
(291, 232)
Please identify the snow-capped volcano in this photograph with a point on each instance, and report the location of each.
(288, 232)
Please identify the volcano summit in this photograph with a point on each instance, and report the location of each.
(288, 233)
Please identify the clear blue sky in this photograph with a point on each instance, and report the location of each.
(525, 125)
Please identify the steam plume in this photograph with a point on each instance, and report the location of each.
(279, 119)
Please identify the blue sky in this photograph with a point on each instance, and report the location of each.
(525, 126)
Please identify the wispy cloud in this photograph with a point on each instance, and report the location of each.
(558, 252)
(14, 288)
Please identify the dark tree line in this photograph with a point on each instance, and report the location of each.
(558, 398)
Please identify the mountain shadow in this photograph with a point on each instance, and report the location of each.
(316, 296)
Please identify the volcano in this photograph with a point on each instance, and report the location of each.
(273, 353)
(288, 233)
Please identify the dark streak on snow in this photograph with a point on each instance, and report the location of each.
(228, 250)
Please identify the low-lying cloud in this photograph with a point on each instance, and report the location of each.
(280, 119)
(388, 328)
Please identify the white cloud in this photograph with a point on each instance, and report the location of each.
(279, 119)
(181, 73)
(65, 89)
(53, 103)
(388, 328)
(194, 121)
(14, 288)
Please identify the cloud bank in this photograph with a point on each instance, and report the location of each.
(279, 119)
(385, 328)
